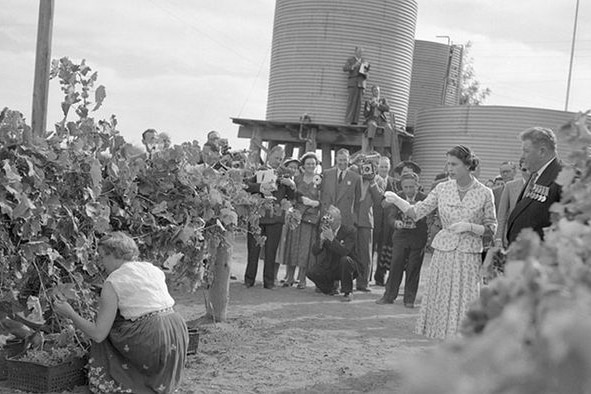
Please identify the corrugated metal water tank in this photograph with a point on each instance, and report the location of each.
(492, 132)
(435, 76)
(312, 40)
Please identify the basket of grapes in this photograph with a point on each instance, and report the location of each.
(9, 349)
(54, 366)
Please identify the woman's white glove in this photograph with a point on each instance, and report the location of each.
(393, 198)
(309, 202)
(462, 227)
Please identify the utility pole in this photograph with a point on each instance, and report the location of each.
(42, 65)
(572, 55)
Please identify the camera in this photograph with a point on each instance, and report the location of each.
(367, 171)
(326, 221)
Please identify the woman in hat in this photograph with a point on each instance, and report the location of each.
(298, 245)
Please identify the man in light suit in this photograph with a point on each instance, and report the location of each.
(507, 202)
(341, 187)
(507, 171)
(532, 209)
(357, 68)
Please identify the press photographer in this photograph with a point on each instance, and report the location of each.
(277, 188)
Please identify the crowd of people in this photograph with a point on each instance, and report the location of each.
(343, 219)
(362, 217)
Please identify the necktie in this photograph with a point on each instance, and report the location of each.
(530, 183)
(341, 176)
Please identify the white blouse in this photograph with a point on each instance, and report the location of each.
(141, 289)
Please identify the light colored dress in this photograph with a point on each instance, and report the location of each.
(454, 273)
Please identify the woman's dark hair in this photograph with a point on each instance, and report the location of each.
(465, 155)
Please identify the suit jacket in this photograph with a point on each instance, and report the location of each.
(497, 193)
(507, 202)
(344, 195)
(276, 215)
(365, 214)
(355, 79)
(379, 213)
(408, 236)
(342, 245)
(533, 211)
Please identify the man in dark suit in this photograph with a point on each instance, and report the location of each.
(540, 191)
(408, 246)
(271, 223)
(357, 68)
(382, 232)
(337, 260)
(341, 187)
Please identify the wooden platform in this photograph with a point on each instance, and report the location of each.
(311, 136)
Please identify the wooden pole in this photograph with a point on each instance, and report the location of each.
(42, 67)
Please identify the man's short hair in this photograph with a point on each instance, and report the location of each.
(540, 136)
(510, 164)
(343, 151)
(334, 211)
(212, 132)
(276, 148)
(385, 159)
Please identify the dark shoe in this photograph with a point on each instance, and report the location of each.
(270, 287)
(409, 305)
(346, 298)
(287, 284)
(233, 277)
(248, 284)
(301, 286)
(383, 301)
(364, 289)
(333, 292)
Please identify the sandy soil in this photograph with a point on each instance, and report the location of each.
(288, 340)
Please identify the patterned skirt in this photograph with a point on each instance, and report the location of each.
(453, 284)
(298, 245)
(143, 356)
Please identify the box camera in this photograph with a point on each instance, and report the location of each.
(367, 171)
(326, 221)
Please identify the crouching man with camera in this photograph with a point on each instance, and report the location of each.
(335, 249)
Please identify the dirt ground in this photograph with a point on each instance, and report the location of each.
(288, 340)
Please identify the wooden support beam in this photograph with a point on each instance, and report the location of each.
(42, 68)
(311, 141)
(256, 143)
(289, 150)
(326, 156)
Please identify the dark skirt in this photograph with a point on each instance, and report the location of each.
(142, 356)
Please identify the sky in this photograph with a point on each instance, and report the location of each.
(187, 67)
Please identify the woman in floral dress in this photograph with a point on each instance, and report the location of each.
(467, 213)
(139, 342)
(298, 244)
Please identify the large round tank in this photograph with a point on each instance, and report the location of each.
(435, 77)
(312, 40)
(491, 131)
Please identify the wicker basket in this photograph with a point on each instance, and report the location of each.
(193, 341)
(9, 350)
(36, 378)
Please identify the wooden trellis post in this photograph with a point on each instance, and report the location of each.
(42, 67)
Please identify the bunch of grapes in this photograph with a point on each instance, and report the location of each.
(52, 356)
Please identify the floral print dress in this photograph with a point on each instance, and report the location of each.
(454, 274)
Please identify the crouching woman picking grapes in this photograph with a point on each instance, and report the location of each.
(139, 342)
